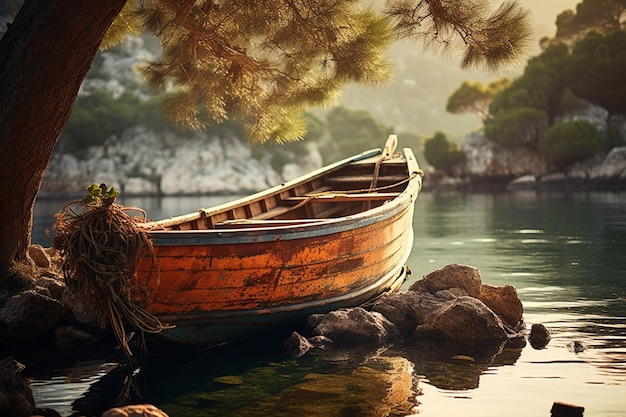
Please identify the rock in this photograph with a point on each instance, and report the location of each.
(297, 345)
(30, 315)
(560, 409)
(144, 162)
(539, 336)
(614, 165)
(465, 319)
(553, 181)
(320, 342)
(428, 309)
(81, 312)
(503, 301)
(576, 346)
(38, 254)
(525, 182)
(451, 276)
(487, 159)
(16, 396)
(69, 338)
(55, 287)
(142, 410)
(402, 309)
(356, 326)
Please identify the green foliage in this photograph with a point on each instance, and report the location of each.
(518, 127)
(442, 154)
(486, 37)
(290, 151)
(351, 132)
(98, 116)
(571, 104)
(602, 15)
(475, 97)
(540, 87)
(560, 81)
(596, 70)
(264, 63)
(99, 195)
(568, 142)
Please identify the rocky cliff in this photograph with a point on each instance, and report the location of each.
(143, 162)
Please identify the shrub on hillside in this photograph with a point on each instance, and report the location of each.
(568, 142)
(442, 154)
(517, 127)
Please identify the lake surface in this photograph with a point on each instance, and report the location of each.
(564, 252)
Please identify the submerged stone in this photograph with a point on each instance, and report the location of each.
(381, 387)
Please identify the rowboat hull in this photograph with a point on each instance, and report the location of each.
(231, 277)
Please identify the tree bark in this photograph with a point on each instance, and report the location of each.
(44, 58)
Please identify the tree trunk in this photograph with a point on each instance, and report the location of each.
(44, 58)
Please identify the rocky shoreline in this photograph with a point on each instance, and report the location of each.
(489, 167)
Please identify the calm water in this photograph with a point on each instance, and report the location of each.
(565, 254)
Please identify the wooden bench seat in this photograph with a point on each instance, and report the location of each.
(344, 197)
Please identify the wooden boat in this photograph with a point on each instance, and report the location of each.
(337, 237)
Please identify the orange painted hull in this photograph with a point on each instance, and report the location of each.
(247, 276)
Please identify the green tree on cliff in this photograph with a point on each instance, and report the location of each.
(443, 154)
(262, 62)
(475, 97)
(597, 68)
(600, 15)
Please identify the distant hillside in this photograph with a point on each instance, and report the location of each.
(416, 100)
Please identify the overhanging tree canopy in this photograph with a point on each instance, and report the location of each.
(261, 61)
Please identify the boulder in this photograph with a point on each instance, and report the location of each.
(450, 304)
(407, 310)
(38, 254)
(539, 336)
(451, 276)
(402, 309)
(465, 319)
(504, 302)
(16, 396)
(614, 164)
(297, 345)
(70, 338)
(356, 326)
(55, 287)
(30, 315)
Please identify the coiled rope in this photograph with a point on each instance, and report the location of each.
(101, 248)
